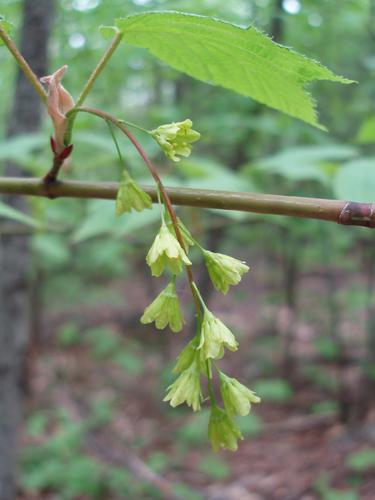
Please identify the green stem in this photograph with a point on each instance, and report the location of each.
(203, 304)
(99, 68)
(22, 63)
(90, 82)
(113, 135)
(130, 124)
(210, 388)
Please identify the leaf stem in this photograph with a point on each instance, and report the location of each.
(99, 68)
(116, 144)
(130, 124)
(90, 82)
(23, 64)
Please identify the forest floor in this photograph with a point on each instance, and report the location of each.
(96, 358)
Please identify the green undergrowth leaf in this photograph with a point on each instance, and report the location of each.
(356, 180)
(362, 460)
(220, 53)
(275, 390)
(215, 468)
(20, 146)
(366, 134)
(99, 221)
(11, 213)
(251, 425)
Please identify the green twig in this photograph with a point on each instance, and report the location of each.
(22, 63)
(90, 82)
(291, 206)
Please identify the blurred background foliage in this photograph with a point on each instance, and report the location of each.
(305, 315)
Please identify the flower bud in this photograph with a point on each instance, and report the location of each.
(236, 397)
(175, 138)
(224, 270)
(131, 196)
(215, 336)
(187, 356)
(166, 251)
(165, 310)
(223, 432)
(59, 102)
(186, 389)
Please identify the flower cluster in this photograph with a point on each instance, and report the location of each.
(196, 361)
(175, 138)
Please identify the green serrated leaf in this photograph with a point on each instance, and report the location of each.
(6, 26)
(220, 53)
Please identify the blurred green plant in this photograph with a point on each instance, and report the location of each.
(215, 468)
(361, 461)
(325, 492)
(273, 390)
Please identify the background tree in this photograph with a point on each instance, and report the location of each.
(24, 117)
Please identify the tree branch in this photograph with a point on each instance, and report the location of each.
(341, 212)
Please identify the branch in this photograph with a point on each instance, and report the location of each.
(341, 212)
(23, 64)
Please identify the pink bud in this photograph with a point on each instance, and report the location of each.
(59, 103)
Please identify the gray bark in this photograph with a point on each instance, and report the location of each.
(25, 117)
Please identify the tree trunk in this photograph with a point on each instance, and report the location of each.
(14, 250)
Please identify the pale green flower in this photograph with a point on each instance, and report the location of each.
(215, 336)
(131, 196)
(165, 310)
(189, 355)
(236, 397)
(186, 389)
(166, 251)
(175, 138)
(223, 432)
(224, 270)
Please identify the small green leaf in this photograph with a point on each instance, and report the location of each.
(220, 53)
